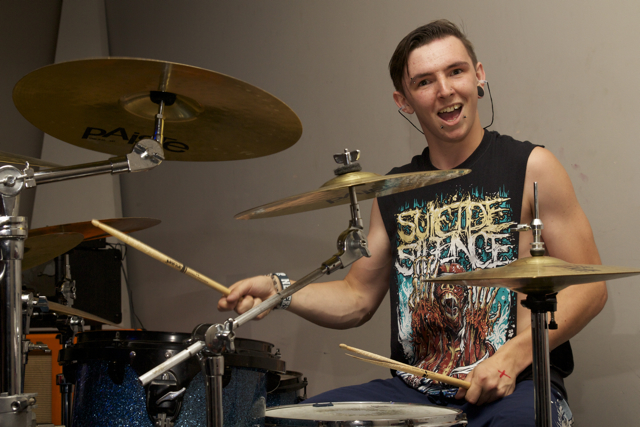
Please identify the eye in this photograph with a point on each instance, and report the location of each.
(423, 82)
(456, 71)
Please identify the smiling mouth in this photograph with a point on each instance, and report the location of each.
(451, 113)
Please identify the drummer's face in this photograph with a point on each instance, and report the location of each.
(440, 87)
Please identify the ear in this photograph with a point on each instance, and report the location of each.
(402, 102)
(480, 75)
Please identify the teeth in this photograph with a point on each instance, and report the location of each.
(450, 109)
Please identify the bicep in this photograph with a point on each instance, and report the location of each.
(567, 233)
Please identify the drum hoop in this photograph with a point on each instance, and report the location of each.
(118, 344)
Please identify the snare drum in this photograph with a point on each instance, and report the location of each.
(105, 366)
(352, 414)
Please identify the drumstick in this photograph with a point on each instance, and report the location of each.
(159, 256)
(394, 364)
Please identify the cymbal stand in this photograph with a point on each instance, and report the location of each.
(209, 341)
(69, 327)
(16, 407)
(540, 304)
(65, 285)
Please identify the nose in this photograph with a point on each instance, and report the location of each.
(445, 88)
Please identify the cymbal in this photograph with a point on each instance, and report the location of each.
(104, 104)
(41, 249)
(537, 275)
(90, 232)
(70, 311)
(336, 191)
(17, 159)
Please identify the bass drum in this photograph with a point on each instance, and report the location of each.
(106, 365)
(358, 414)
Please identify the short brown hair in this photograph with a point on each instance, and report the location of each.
(419, 37)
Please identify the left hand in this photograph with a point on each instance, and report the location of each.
(491, 380)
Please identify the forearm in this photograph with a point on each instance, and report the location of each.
(577, 306)
(333, 305)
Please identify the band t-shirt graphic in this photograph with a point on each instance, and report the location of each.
(456, 226)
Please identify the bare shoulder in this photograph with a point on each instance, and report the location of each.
(555, 191)
(544, 166)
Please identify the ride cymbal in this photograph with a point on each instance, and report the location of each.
(70, 311)
(44, 248)
(336, 191)
(91, 232)
(17, 159)
(537, 275)
(104, 104)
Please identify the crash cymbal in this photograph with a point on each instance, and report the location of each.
(537, 275)
(70, 311)
(17, 159)
(41, 249)
(90, 232)
(336, 191)
(104, 104)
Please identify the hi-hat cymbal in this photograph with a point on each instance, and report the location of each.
(537, 275)
(44, 248)
(17, 159)
(104, 104)
(90, 232)
(70, 311)
(336, 191)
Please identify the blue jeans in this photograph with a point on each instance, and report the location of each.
(514, 410)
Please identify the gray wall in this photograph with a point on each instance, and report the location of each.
(562, 74)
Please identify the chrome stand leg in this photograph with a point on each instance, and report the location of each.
(214, 370)
(540, 305)
(541, 372)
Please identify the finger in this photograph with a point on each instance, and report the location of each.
(245, 304)
(224, 305)
(461, 394)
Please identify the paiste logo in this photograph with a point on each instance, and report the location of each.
(169, 144)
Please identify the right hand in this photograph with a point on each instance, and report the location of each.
(247, 294)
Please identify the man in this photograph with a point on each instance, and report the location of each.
(478, 334)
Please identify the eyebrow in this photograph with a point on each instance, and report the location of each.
(454, 65)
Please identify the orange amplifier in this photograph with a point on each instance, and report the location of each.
(40, 377)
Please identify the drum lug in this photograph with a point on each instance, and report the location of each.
(164, 401)
(172, 395)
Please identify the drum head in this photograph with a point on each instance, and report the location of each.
(364, 413)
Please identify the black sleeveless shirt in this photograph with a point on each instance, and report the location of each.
(456, 226)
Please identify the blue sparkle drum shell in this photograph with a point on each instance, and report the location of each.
(291, 388)
(105, 367)
(358, 414)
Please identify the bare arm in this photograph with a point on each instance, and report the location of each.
(567, 236)
(340, 304)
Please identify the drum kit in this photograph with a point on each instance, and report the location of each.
(120, 106)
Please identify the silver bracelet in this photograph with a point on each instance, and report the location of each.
(284, 281)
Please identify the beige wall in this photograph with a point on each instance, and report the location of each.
(562, 74)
